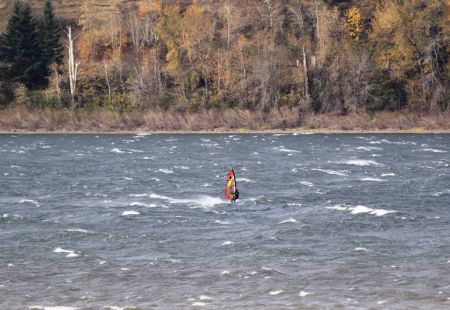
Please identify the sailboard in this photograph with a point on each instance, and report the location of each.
(231, 191)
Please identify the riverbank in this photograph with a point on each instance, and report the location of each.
(22, 120)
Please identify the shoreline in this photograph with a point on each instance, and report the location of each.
(291, 131)
(22, 120)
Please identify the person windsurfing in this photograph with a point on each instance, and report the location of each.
(231, 191)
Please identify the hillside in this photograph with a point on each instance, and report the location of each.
(312, 56)
(70, 10)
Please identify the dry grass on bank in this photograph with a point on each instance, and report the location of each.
(19, 118)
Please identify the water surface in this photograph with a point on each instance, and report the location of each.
(324, 221)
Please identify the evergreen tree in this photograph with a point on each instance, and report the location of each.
(21, 50)
(52, 51)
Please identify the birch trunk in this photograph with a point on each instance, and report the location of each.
(73, 65)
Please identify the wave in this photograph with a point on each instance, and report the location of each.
(141, 204)
(388, 174)
(372, 179)
(434, 150)
(166, 171)
(343, 173)
(130, 213)
(361, 210)
(70, 253)
(361, 162)
(289, 220)
(244, 180)
(369, 148)
(117, 150)
(31, 201)
(202, 200)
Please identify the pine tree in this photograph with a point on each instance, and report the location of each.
(52, 51)
(21, 50)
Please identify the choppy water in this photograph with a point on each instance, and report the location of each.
(324, 221)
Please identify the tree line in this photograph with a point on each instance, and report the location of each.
(318, 55)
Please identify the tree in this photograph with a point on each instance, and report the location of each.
(52, 51)
(21, 50)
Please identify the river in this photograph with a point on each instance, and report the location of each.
(323, 221)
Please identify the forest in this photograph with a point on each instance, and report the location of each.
(307, 56)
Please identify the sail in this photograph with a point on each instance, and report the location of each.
(231, 191)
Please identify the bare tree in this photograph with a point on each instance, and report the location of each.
(73, 64)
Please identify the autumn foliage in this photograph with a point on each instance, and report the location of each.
(315, 56)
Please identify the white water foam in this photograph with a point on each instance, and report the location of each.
(294, 204)
(276, 292)
(228, 242)
(372, 179)
(361, 162)
(361, 210)
(303, 294)
(244, 180)
(198, 304)
(80, 230)
(31, 201)
(130, 213)
(361, 249)
(204, 297)
(202, 201)
(343, 173)
(306, 183)
(388, 174)
(285, 150)
(289, 220)
(221, 222)
(51, 308)
(117, 150)
(166, 171)
(70, 253)
(182, 167)
(434, 151)
(141, 204)
(369, 148)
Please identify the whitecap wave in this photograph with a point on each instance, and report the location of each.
(276, 292)
(228, 242)
(244, 180)
(303, 294)
(202, 200)
(372, 179)
(369, 148)
(343, 173)
(361, 210)
(117, 150)
(141, 204)
(30, 201)
(166, 171)
(51, 308)
(434, 151)
(70, 253)
(221, 222)
(306, 183)
(388, 174)
(130, 213)
(80, 230)
(361, 162)
(289, 220)
(361, 249)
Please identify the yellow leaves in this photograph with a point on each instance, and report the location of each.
(143, 9)
(85, 46)
(354, 23)
(155, 6)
